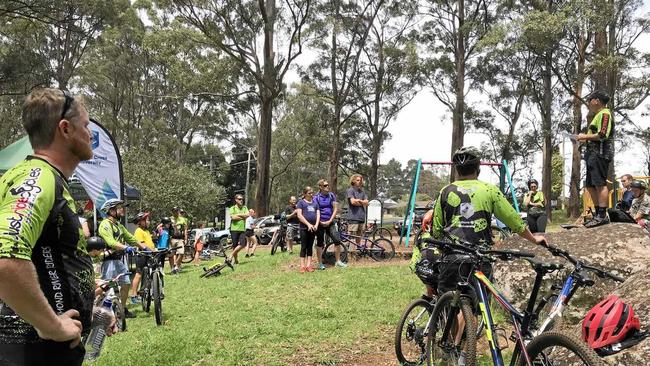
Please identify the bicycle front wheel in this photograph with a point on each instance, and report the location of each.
(452, 332)
(157, 298)
(382, 250)
(412, 332)
(120, 315)
(145, 290)
(558, 348)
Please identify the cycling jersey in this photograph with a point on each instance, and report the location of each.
(603, 125)
(143, 236)
(179, 224)
(115, 233)
(238, 225)
(38, 222)
(464, 210)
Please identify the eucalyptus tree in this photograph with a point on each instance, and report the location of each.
(451, 36)
(250, 34)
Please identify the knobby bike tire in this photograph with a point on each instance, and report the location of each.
(329, 257)
(382, 250)
(539, 349)
(157, 298)
(275, 245)
(444, 320)
(188, 254)
(411, 333)
(120, 315)
(382, 232)
(145, 290)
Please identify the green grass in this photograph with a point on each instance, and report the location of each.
(266, 313)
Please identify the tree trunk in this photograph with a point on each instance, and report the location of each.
(547, 147)
(458, 124)
(612, 81)
(268, 92)
(574, 183)
(335, 150)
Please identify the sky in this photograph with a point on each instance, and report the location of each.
(422, 130)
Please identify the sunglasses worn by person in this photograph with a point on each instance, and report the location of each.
(69, 99)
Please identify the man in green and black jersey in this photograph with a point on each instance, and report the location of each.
(599, 154)
(464, 210)
(46, 276)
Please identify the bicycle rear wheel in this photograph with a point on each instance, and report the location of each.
(276, 243)
(329, 256)
(157, 298)
(188, 253)
(411, 333)
(382, 232)
(558, 348)
(442, 348)
(382, 250)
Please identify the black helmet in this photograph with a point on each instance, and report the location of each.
(600, 95)
(95, 243)
(175, 209)
(466, 155)
(638, 184)
(531, 181)
(140, 216)
(165, 220)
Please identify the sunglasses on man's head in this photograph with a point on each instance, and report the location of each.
(69, 99)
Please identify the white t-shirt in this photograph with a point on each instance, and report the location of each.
(249, 222)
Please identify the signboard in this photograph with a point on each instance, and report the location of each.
(374, 212)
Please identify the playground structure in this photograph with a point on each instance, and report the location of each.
(505, 180)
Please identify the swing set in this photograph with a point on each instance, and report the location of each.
(505, 180)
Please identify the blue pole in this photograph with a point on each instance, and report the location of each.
(414, 191)
(512, 189)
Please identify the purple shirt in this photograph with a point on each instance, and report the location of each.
(326, 205)
(309, 210)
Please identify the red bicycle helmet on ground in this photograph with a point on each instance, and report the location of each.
(609, 322)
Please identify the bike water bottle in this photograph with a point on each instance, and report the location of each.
(102, 317)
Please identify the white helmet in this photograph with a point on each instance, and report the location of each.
(111, 203)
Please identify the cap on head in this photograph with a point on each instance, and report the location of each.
(602, 96)
(639, 184)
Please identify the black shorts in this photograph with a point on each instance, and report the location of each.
(43, 353)
(238, 239)
(140, 263)
(597, 167)
(331, 231)
(249, 233)
(458, 267)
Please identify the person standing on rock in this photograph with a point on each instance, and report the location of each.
(600, 150)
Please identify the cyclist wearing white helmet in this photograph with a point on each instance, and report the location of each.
(117, 237)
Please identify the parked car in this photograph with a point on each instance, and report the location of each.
(265, 227)
(213, 236)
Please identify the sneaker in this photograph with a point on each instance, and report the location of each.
(128, 314)
(303, 269)
(252, 255)
(246, 256)
(597, 221)
(174, 271)
(341, 264)
(135, 300)
(321, 267)
(310, 269)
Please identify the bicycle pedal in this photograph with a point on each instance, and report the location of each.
(500, 334)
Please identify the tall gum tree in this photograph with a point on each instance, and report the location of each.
(247, 32)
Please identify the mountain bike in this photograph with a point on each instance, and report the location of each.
(380, 249)
(453, 330)
(215, 270)
(152, 283)
(412, 332)
(375, 232)
(279, 240)
(111, 289)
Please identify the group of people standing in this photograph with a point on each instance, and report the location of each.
(315, 215)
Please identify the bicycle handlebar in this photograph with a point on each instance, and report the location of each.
(558, 252)
(501, 254)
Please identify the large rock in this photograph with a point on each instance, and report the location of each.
(623, 249)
